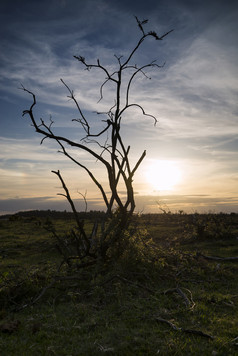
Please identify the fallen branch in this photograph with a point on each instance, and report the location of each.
(216, 258)
(190, 331)
(198, 332)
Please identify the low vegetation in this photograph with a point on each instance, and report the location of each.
(173, 290)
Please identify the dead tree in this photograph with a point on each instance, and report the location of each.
(113, 154)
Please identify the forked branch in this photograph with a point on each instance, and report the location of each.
(68, 197)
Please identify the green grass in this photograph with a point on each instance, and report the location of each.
(119, 311)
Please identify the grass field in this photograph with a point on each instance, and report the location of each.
(181, 304)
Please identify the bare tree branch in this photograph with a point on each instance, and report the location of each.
(113, 153)
(67, 195)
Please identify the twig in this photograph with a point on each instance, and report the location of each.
(173, 326)
(43, 292)
(138, 285)
(183, 295)
(38, 297)
(189, 303)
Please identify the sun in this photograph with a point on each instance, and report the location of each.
(163, 175)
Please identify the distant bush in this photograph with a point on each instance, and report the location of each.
(215, 226)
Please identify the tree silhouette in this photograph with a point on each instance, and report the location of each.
(113, 154)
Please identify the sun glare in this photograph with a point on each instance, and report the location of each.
(163, 175)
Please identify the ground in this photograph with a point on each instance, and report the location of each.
(178, 302)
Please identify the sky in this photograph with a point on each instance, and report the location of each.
(192, 152)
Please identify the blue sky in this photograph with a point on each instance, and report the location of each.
(194, 97)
